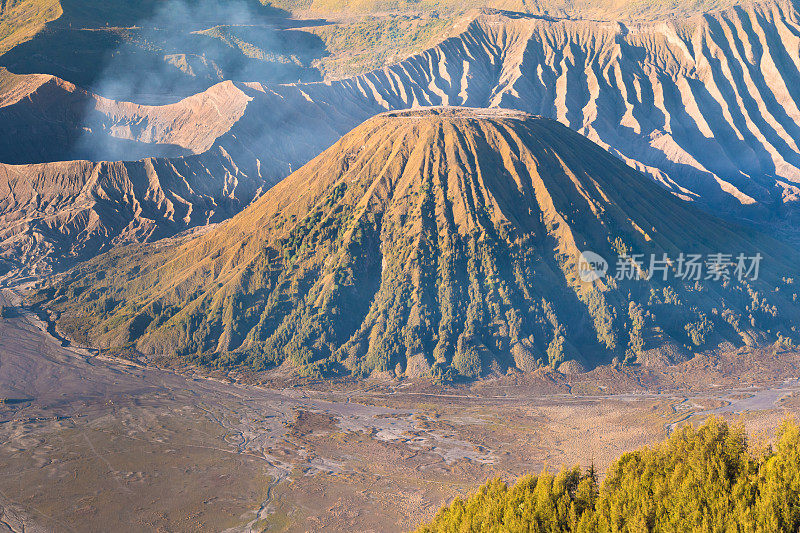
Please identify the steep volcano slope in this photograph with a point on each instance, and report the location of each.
(435, 241)
(708, 106)
(46, 119)
(53, 214)
(72, 39)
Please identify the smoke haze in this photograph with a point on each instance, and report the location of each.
(187, 47)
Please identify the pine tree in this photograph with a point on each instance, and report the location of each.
(705, 479)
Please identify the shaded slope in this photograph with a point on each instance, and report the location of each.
(438, 241)
(21, 20)
(46, 119)
(181, 47)
(706, 106)
(53, 214)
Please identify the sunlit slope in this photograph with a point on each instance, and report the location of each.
(706, 105)
(22, 19)
(710, 479)
(73, 39)
(575, 9)
(439, 241)
(54, 214)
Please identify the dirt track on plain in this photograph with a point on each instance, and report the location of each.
(86, 442)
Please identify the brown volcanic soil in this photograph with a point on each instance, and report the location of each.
(86, 441)
(440, 241)
(678, 99)
(53, 214)
(48, 119)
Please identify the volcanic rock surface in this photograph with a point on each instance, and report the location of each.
(437, 242)
(55, 213)
(706, 106)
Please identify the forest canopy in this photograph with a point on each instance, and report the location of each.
(704, 479)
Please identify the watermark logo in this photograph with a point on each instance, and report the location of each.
(687, 267)
(591, 266)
